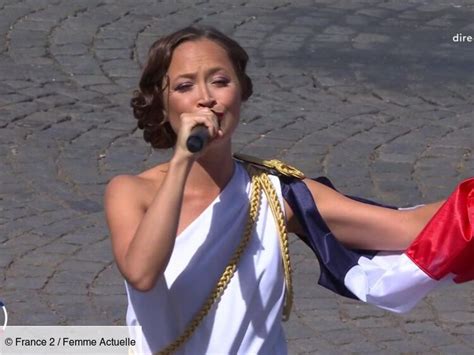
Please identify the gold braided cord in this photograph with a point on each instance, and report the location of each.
(228, 272)
(275, 206)
(273, 165)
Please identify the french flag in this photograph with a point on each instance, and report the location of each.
(442, 253)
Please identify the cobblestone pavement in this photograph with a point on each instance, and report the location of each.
(374, 94)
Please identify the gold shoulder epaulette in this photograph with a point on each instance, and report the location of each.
(275, 166)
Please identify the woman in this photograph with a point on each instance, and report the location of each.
(175, 227)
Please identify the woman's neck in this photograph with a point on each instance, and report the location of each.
(211, 171)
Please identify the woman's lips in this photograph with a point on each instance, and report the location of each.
(218, 114)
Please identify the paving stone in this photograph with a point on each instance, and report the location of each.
(360, 347)
(32, 312)
(404, 346)
(26, 283)
(99, 252)
(310, 346)
(389, 334)
(113, 306)
(437, 338)
(455, 349)
(295, 329)
(35, 317)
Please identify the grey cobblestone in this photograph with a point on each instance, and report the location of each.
(372, 93)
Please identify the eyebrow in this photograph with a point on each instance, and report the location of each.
(210, 71)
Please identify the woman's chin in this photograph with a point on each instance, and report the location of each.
(219, 142)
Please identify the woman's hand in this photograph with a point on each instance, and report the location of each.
(188, 121)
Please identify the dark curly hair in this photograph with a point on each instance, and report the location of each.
(147, 101)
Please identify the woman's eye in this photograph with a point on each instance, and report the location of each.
(183, 87)
(221, 81)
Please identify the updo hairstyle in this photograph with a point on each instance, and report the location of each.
(147, 101)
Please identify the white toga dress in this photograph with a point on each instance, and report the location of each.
(247, 319)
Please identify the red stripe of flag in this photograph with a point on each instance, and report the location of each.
(446, 244)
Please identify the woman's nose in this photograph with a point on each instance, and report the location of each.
(205, 98)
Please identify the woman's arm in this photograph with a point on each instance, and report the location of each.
(143, 237)
(143, 240)
(362, 226)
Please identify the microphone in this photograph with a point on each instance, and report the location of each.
(197, 139)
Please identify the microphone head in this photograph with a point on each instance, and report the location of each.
(197, 139)
(194, 144)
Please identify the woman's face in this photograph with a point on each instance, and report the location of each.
(202, 77)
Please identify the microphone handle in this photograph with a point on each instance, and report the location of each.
(197, 139)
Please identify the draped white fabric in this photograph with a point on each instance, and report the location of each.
(247, 319)
(391, 281)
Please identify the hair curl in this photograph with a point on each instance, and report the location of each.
(147, 101)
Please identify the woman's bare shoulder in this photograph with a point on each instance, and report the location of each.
(139, 188)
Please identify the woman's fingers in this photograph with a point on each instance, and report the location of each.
(206, 118)
(190, 120)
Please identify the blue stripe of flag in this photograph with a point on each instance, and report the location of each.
(335, 260)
